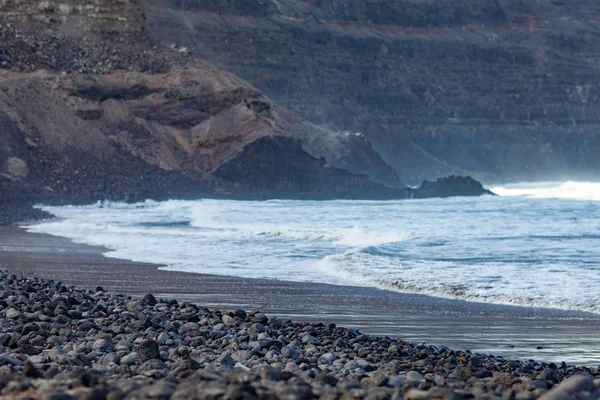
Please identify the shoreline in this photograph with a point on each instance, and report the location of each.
(64, 342)
(510, 331)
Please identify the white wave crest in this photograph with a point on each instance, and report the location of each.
(448, 280)
(589, 191)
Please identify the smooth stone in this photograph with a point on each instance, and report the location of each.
(577, 383)
(327, 358)
(11, 313)
(290, 352)
(150, 300)
(309, 339)
(161, 390)
(414, 376)
(416, 394)
(130, 358)
(6, 359)
(103, 345)
(162, 338)
(555, 395)
(38, 359)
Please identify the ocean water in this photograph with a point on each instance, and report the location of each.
(533, 245)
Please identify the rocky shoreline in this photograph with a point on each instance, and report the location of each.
(61, 342)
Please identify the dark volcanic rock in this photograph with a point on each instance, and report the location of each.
(149, 299)
(149, 350)
(451, 186)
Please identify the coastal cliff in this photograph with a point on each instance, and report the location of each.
(504, 90)
(93, 108)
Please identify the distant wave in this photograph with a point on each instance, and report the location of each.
(589, 191)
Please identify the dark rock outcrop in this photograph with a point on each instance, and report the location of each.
(450, 187)
(502, 90)
(278, 167)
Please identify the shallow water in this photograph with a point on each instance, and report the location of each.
(535, 245)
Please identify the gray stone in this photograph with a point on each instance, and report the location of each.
(577, 383)
(310, 339)
(379, 379)
(110, 359)
(261, 318)
(160, 390)
(103, 345)
(130, 358)
(549, 375)
(327, 359)
(7, 359)
(297, 392)
(82, 360)
(524, 396)
(415, 394)
(135, 306)
(475, 362)
(555, 395)
(152, 365)
(38, 359)
(256, 328)
(290, 352)
(539, 384)
(149, 349)
(162, 338)
(414, 376)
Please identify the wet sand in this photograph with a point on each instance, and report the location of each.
(515, 332)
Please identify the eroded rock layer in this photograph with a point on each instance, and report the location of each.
(92, 108)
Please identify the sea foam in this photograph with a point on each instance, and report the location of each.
(533, 245)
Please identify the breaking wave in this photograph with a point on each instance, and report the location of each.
(534, 245)
(586, 191)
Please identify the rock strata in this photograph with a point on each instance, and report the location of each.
(92, 108)
(497, 89)
(61, 342)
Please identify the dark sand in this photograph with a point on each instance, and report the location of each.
(514, 332)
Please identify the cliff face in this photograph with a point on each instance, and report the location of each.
(92, 108)
(502, 89)
(113, 15)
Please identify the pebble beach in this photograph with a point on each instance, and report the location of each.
(62, 342)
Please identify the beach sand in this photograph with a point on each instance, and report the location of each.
(516, 332)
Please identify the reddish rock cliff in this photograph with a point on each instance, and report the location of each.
(92, 108)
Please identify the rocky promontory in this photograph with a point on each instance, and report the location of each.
(62, 342)
(86, 95)
(92, 107)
